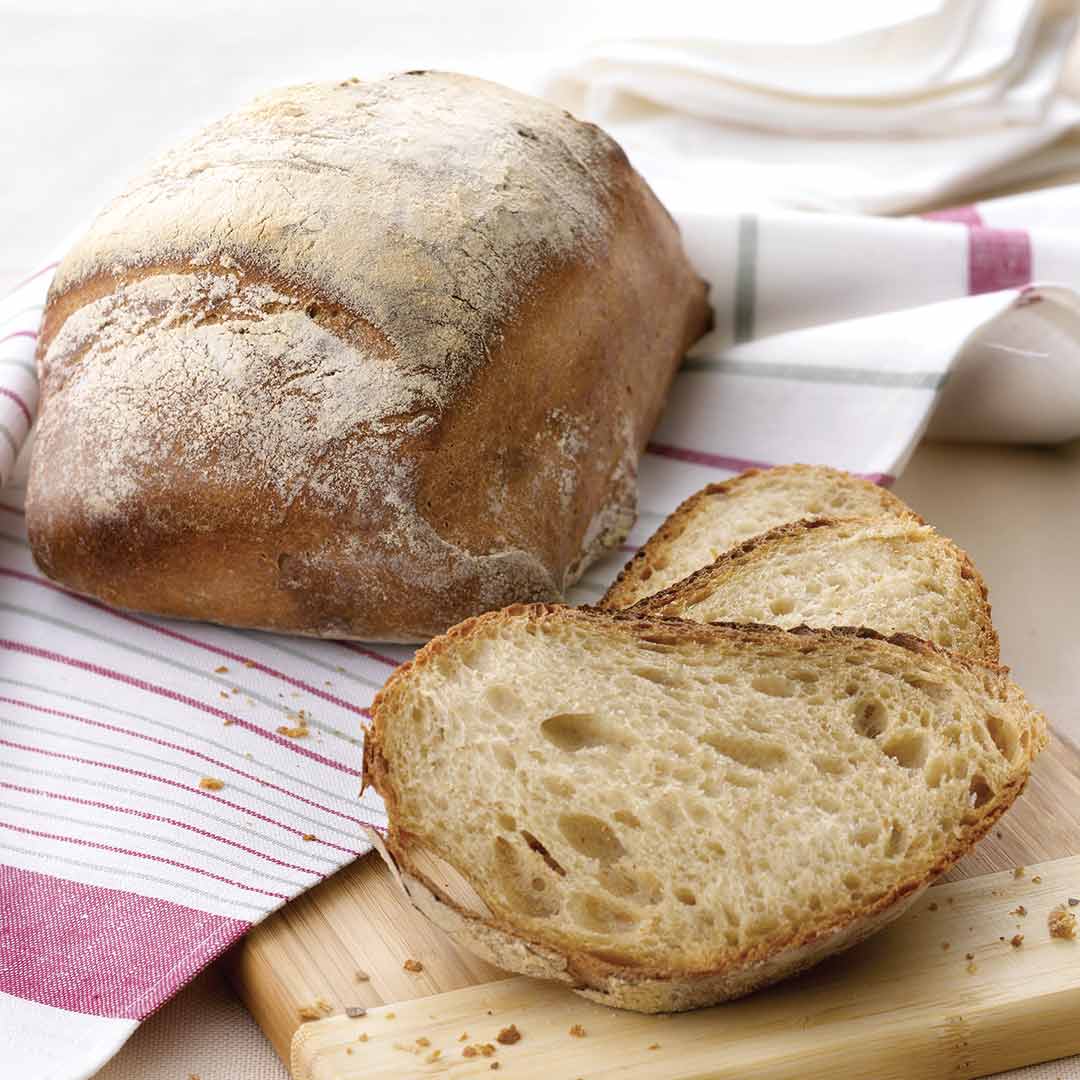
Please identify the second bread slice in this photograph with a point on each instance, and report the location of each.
(889, 573)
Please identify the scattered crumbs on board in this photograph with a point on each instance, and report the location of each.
(1036, 880)
(493, 1065)
(578, 1031)
(478, 1050)
(353, 1011)
(413, 965)
(433, 1057)
(211, 783)
(362, 1037)
(653, 1046)
(362, 976)
(1020, 911)
(1018, 872)
(1062, 923)
(463, 1036)
(390, 1016)
(348, 1049)
(1016, 940)
(423, 1041)
(308, 1012)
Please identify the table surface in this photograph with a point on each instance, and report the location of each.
(91, 89)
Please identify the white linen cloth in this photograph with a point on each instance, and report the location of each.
(880, 120)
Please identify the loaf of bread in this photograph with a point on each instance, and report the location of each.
(890, 573)
(361, 359)
(725, 514)
(666, 814)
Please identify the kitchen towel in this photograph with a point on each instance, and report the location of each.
(919, 103)
(165, 785)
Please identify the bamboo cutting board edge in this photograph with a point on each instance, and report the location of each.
(358, 920)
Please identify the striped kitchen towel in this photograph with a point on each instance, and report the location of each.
(163, 786)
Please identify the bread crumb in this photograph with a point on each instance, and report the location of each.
(348, 1049)
(353, 1011)
(1019, 910)
(298, 732)
(969, 956)
(224, 694)
(463, 1036)
(308, 1012)
(578, 1031)
(1016, 940)
(509, 1035)
(390, 1016)
(324, 1005)
(362, 976)
(422, 1041)
(221, 670)
(433, 1057)
(971, 968)
(945, 946)
(1062, 923)
(228, 721)
(1073, 901)
(478, 1050)
(493, 1065)
(653, 1046)
(362, 1037)
(933, 906)
(1037, 879)
(413, 965)
(309, 836)
(211, 783)
(1018, 872)
(250, 663)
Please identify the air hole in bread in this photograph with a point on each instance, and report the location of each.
(601, 916)
(935, 771)
(716, 848)
(504, 756)
(934, 690)
(804, 676)
(579, 731)
(560, 788)
(852, 883)
(592, 837)
(507, 872)
(685, 896)
(749, 752)
(628, 818)
(698, 812)
(1004, 736)
(503, 700)
(979, 791)
(774, 686)
(831, 766)
(866, 835)
(658, 676)
(666, 811)
(871, 717)
(535, 845)
(851, 689)
(932, 585)
(782, 605)
(506, 822)
(895, 844)
(907, 748)
(640, 886)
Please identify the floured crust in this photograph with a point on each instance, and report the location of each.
(654, 989)
(676, 600)
(359, 360)
(633, 583)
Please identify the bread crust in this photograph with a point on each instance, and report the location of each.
(757, 549)
(626, 589)
(641, 988)
(521, 303)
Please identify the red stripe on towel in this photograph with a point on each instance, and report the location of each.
(997, 258)
(98, 951)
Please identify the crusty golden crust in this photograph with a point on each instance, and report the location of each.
(627, 588)
(669, 601)
(655, 989)
(473, 351)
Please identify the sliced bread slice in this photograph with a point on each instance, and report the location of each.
(891, 573)
(665, 814)
(722, 515)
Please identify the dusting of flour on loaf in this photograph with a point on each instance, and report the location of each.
(288, 301)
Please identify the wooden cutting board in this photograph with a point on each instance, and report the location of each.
(908, 1003)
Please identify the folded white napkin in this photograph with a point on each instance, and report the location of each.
(885, 119)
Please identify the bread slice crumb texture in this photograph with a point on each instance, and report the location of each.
(889, 573)
(722, 515)
(670, 799)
